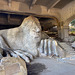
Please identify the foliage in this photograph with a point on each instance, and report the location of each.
(72, 27)
(73, 39)
(73, 22)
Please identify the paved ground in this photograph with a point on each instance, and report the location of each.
(47, 66)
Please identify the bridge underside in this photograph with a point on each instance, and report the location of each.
(54, 15)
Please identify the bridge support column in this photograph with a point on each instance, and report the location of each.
(60, 31)
(66, 33)
(63, 32)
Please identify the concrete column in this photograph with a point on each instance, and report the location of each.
(63, 31)
(59, 31)
(66, 33)
(9, 2)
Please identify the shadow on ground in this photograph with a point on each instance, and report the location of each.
(35, 69)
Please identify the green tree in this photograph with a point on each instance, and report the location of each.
(73, 22)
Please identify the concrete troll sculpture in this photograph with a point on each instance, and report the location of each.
(26, 40)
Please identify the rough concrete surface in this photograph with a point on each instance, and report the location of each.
(53, 67)
(12, 66)
(73, 44)
(68, 49)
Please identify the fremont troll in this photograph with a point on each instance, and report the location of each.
(26, 40)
